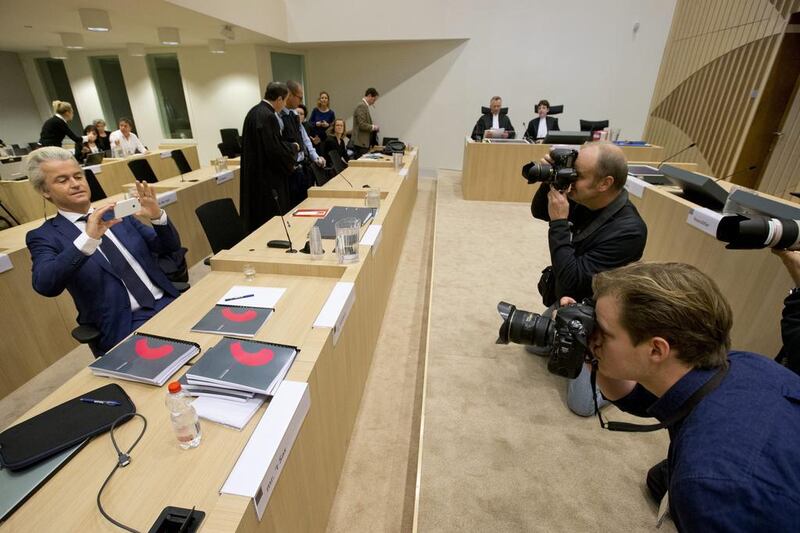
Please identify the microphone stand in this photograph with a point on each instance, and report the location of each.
(281, 243)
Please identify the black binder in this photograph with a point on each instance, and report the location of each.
(62, 427)
(327, 226)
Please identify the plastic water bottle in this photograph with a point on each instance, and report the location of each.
(184, 417)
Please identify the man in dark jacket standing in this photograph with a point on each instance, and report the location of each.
(593, 228)
(267, 160)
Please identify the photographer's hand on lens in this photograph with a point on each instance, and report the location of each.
(791, 260)
(557, 203)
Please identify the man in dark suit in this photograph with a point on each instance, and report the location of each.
(267, 160)
(542, 124)
(112, 275)
(494, 119)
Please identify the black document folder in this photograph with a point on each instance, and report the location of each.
(327, 226)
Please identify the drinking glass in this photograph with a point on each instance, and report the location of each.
(347, 230)
(373, 198)
(249, 272)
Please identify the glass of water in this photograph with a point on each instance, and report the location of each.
(249, 272)
(373, 198)
(347, 230)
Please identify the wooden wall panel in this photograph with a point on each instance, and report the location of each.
(716, 62)
(782, 175)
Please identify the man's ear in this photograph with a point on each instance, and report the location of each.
(606, 183)
(660, 350)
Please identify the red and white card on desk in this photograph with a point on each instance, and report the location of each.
(315, 213)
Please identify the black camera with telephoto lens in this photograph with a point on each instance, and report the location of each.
(755, 232)
(561, 174)
(566, 336)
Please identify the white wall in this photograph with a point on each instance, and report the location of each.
(587, 58)
(20, 122)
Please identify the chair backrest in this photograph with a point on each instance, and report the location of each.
(180, 160)
(227, 150)
(33, 146)
(337, 161)
(142, 170)
(221, 223)
(230, 136)
(320, 175)
(593, 125)
(95, 189)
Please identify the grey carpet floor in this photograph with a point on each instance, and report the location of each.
(500, 449)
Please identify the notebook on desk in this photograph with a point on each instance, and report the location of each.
(327, 226)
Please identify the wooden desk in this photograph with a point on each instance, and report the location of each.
(161, 474)
(112, 174)
(33, 337)
(754, 281)
(493, 172)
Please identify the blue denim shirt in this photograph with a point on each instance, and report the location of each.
(734, 461)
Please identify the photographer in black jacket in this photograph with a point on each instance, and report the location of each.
(789, 356)
(593, 228)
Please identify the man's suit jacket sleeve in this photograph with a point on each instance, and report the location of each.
(160, 239)
(361, 119)
(52, 267)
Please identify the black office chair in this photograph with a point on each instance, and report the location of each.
(321, 175)
(142, 170)
(593, 125)
(180, 160)
(231, 137)
(336, 160)
(34, 146)
(221, 223)
(96, 190)
(227, 150)
(19, 150)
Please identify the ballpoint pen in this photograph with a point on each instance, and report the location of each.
(239, 297)
(101, 402)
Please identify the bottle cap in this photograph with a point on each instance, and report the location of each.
(174, 387)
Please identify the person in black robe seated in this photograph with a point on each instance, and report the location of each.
(542, 124)
(56, 127)
(335, 141)
(494, 119)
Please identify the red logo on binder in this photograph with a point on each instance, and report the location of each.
(233, 316)
(146, 352)
(259, 358)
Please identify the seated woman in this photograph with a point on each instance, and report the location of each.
(321, 118)
(89, 146)
(335, 142)
(538, 127)
(103, 137)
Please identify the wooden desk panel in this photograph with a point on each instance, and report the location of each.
(493, 172)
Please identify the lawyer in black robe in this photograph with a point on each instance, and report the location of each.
(485, 123)
(267, 162)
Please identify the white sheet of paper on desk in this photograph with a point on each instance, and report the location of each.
(372, 237)
(226, 412)
(225, 175)
(636, 186)
(256, 472)
(337, 307)
(403, 172)
(5, 263)
(165, 155)
(96, 169)
(263, 297)
(166, 198)
(705, 220)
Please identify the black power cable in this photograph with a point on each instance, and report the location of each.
(123, 459)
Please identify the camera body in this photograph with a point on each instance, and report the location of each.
(561, 174)
(566, 336)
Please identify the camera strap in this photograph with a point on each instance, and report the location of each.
(679, 415)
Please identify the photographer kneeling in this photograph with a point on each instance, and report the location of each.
(593, 228)
(661, 341)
